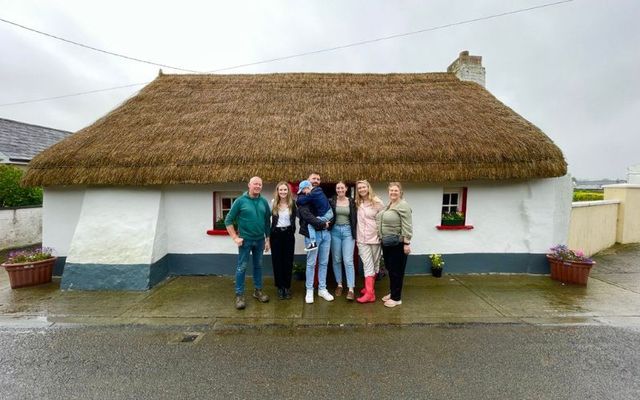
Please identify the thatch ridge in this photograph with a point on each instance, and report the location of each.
(226, 128)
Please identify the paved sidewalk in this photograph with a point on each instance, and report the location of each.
(612, 297)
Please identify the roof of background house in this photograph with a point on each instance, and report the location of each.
(20, 142)
(428, 127)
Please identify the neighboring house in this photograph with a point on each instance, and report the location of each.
(20, 142)
(134, 197)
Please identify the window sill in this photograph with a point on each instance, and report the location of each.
(217, 232)
(454, 227)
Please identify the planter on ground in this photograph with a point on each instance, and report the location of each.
(576, 272)
(30, 273)
(436, 272)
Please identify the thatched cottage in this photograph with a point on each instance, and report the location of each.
(134, 197)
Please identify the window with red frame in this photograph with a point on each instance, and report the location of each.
(454, 209)
(222, 202)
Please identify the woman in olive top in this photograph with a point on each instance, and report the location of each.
(343, 233)
(283, 227)
(394, 224)
(369, 205)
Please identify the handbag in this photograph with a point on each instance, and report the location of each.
(390, 240)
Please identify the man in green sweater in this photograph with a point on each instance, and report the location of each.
(252, 214)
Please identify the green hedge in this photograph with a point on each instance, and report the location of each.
(587, 195)
(12, 194)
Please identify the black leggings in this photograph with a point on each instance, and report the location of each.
(395, 261)
(282, 247)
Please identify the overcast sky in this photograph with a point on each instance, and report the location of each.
(571, 69)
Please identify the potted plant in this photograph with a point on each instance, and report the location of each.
(569, 266)
(436, 264)
(219, 225)
(299, 271)
(30, 267)
(454, 218)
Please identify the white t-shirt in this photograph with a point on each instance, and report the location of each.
(283, 218)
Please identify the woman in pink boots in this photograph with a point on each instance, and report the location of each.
(369, 205)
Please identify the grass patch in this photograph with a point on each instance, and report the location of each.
(588, 195)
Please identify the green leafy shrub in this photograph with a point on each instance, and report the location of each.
(12, 194)
(587, 195)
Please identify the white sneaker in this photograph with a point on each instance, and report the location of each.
(324, 293)
(392, 303)
(309, 297)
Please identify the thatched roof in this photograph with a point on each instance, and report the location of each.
(428, 127)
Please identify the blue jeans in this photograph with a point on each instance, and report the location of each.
(342, 245)
(256, 248)
(312, 231)
(321, 254)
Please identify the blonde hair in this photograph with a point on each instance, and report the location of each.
(276, 198)
(371, 196)
(399, 185)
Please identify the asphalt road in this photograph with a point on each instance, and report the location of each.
(426, 362)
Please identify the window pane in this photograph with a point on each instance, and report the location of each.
(226, 202)
(454, 198)
(445, 198)
(445, 210)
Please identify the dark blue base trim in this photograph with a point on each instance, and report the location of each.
(522, 263)
(142, 277)
(59, 266)
(114, 277)
(225, 264)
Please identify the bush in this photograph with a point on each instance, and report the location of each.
(12, 194)
(585, 195)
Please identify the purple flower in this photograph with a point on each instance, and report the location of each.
(564, 253)
(23, 256)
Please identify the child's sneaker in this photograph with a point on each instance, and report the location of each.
(311, 247)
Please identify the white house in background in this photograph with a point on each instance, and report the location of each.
(134, 197)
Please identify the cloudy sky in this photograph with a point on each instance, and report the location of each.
(571, 68)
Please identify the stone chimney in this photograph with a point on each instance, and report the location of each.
(468, 68)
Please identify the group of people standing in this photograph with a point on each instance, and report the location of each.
(336, 228)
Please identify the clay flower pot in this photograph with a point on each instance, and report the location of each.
(576, 272)
(30, 273)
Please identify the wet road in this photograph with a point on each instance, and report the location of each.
(435, 362)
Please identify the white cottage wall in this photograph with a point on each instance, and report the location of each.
(60, 213)
(161, 239)
(116, 226)
(508, 217)
(189, 214)
(132, 238)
